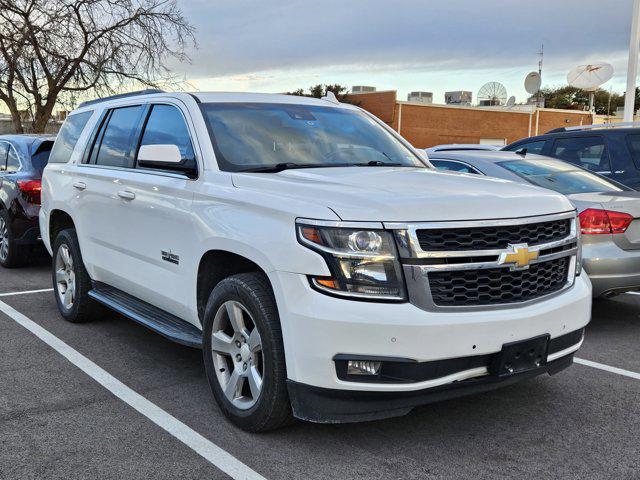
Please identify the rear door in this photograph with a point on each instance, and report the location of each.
(98, 207)
(587, 151)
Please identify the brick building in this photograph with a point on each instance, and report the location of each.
(426, 125)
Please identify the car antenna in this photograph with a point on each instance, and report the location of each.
(522, 151)
(330, 97)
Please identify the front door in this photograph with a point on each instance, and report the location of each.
(157, 240)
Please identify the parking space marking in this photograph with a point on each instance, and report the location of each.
(25, 292)
(204, 447)
(608, 368)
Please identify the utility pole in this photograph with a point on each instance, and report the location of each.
(541, 53)
(632, 65)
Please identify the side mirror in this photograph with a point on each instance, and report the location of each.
(151, 155)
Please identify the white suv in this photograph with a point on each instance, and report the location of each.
(325, 269)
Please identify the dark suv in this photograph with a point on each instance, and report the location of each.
(22, 160)
(606, 149)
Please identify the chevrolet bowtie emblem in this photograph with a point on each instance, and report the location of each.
(518, 256)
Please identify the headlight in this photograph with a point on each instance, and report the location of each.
(363, 262)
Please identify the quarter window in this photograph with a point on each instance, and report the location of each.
(4, 148)
(68, 137)
(634, 148)
(586, 152)
(115, 142)
(452, 166)
(166, 126)
(532, 147)
(13, 162)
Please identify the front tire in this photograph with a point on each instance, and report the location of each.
(71, 282)
(244, 354)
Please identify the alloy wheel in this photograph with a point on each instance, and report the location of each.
(65, 277)
(4, 240)
(237, 354)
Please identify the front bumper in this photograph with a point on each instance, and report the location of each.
(323, 405)
(316, 328)
(611, 269)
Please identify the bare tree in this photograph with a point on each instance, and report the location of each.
(53, 50)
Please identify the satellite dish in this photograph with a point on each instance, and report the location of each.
(492, 94)
(532, 82)
(511, 102)
(590, 77)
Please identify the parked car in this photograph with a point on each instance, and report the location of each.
(326, 272)
(612, 150)
(460, 146)
(22, 160)
(609, 212)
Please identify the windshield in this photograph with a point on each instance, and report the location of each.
(559, 176)
(257, 136)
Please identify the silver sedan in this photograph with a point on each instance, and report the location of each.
(609, 212)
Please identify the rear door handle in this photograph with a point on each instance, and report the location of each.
(80, 185)
(126, 195)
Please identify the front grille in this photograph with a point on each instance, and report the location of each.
(492, 238)
(495, 286)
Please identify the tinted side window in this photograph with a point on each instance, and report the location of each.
(587, 152)
(68, 137)
(13, 161)
(532, 147)
(4, 148)
(166, 126)
(41, 156)
(452, 166)
(633, 141)
(115, 143)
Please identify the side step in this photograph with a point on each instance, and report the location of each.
(145, 314)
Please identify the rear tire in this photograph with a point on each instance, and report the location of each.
(244, 354)
(71, 282)
(12, 255)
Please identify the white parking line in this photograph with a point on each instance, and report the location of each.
(607, 368)
(25, 292)
(207, 449)
(633, 293)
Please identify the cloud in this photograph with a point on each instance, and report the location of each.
(279, 41)
(248, 36)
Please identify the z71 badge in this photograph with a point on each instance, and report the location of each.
(170, 257)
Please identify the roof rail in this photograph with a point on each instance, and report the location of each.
(595, 126)
(147, 91)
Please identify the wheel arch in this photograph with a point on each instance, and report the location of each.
(217, 264)
(58, 220)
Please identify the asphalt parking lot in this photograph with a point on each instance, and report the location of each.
(58, 421)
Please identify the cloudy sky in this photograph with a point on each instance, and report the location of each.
(432, 45)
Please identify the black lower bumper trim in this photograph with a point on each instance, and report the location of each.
(324, 405)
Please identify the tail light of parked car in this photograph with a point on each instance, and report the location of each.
(31, 189)
(594, 221)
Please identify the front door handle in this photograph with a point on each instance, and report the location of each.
(80, 185)
(126, 195)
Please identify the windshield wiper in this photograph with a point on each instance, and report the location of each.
(378, 163)
(279, 167)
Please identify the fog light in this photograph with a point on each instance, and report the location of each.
(363, 367)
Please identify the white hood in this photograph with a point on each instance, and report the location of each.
(388, 194)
